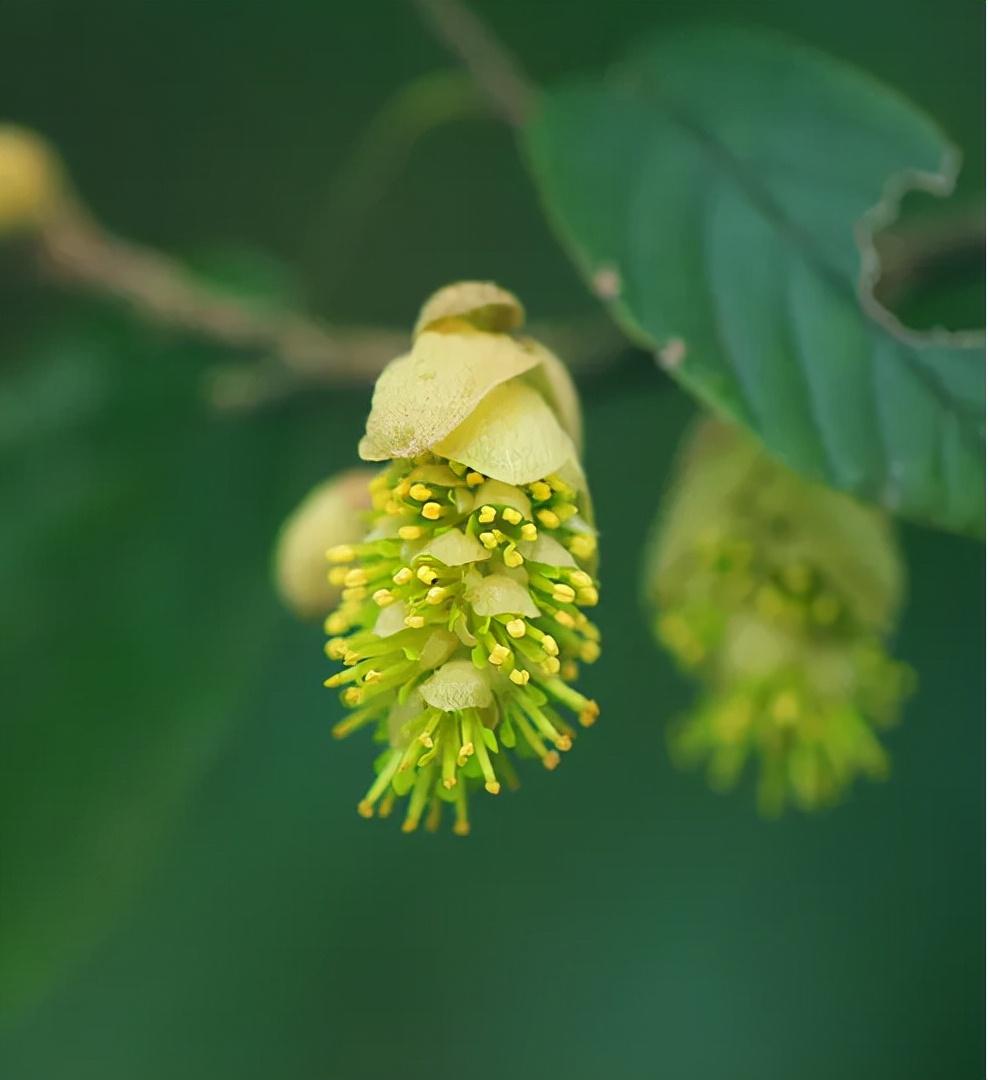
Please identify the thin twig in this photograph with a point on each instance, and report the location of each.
(75, 250)
(496, 72)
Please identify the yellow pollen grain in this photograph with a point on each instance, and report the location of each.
(432, 511)
(488, 539)
(551, 665)
(549, 645)
(486, 515)
(436, 595)
(511, 515)
(513, 558)
(540, 491)
(548, 518)
(519, 677)
(529, 531)
(420, 493)
(402, 576)
(427, 575)
(341, 553)
(589, 652)
(383, 597)
(563, 594)
(410, 532)
(516, 628)
(499, 654)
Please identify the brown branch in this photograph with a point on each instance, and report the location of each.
(496, 72)
(74, 250)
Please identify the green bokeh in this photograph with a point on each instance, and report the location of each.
(612, 919)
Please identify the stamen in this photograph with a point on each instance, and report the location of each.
(529, 531)
(427, 575)
(402, 576)
(516, 628)
(410, 532)
(548, 518)
(486, 515)
(474, 479)
(432, 511)
(383, 597)
(511, 515)
(342, 553)
(420, 493)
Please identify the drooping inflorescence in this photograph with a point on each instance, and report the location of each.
(462, 623)
(777, 595)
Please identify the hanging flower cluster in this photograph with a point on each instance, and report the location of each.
(777, 595)
(462, 622)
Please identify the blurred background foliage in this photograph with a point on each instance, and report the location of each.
(187, 889)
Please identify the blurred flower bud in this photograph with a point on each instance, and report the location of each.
(32, 182)
(331, 514)
(462, 618)
(777, 595)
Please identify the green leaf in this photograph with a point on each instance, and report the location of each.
(720, 192)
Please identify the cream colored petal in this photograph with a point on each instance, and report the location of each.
(421, 397)
(455, 548)
(497, 594)
(486, 305)
(332, 513)
(439, 648)
(457, 685)
(554, 382)
(547, 550)
(512, 436)
(391, 620)
(495, 493)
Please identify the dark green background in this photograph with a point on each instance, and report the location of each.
(166, 732)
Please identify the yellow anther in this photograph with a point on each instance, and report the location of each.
(589, 652)
(589, 714)
(562, 593)
(551, 759)
(341, 553)
(583, 546)
(549, 645)
(337, 575)
(350, 657)
(420, 493)
(486, 515)
(383, 597)
(565, 619)
(461, 828)
(493, 787)
(436, 595)
(588, 596)
(580, 578)
(474, 479)
(551, 665)
(410, 532)
(785, 707)
(365, 808)
(432, 511)
(564, 511)
(336, 648)
(427, 575)
(513, 558)
(337, 623)
(358, 593)
(402, 576)
(354, 577)
(393, 507)
(516, 628)
(548, 518)
(540, 491)
(519, 676)
(488, 539)
(511, 515)
(559, 485)
(466, 751)
(372, 677)
(499, 654)
(402, 488)
(569, 671)
(416, 622)
(529, 531)
(564, 743)
(334, 680)
(353, 695)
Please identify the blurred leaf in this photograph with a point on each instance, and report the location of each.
(715, 192)
(133, 566)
